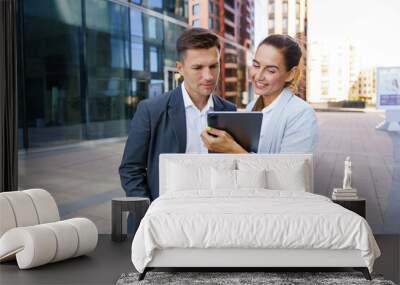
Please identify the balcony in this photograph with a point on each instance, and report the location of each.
(230, 3)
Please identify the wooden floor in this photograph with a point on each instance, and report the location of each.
(102, 266)
(110, 259)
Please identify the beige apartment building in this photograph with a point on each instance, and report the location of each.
(288, 17)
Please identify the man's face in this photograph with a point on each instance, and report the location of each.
(200, 70)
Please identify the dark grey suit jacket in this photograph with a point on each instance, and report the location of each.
(158, 126)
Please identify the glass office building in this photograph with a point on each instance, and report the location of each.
(86, 63)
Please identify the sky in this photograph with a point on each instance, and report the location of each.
(372, 25)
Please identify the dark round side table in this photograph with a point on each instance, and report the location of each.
(136, 205)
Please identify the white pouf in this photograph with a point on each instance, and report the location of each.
(30, 230)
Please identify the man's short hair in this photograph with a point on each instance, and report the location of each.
(196, 38)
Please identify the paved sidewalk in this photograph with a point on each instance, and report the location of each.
(84, 178)
(375, 159)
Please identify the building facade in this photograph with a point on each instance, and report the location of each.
(233, 21)
(284, 17)
(365, 86)
(333, 71)
(85, 64)
(287, 17)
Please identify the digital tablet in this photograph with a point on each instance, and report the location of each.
(244, 127)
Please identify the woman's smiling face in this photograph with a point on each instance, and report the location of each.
(268, 71)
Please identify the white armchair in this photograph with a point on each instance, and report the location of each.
(31, 230)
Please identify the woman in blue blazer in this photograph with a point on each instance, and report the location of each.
(289, 123)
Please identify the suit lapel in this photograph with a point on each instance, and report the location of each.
(218, 106)
(176, 113)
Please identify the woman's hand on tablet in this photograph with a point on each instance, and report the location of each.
(220, 141)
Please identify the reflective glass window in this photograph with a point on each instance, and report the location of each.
(137, 62)
(52, 76)
(152, 28)
(108, 62)
(136, 20)
(155, 3)
(196, 23)
(196, 9)
(154, 59)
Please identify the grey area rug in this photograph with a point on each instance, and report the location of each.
(228, 278)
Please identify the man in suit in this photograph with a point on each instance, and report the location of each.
(173, 122)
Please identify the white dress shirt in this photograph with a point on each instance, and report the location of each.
(196, 122)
